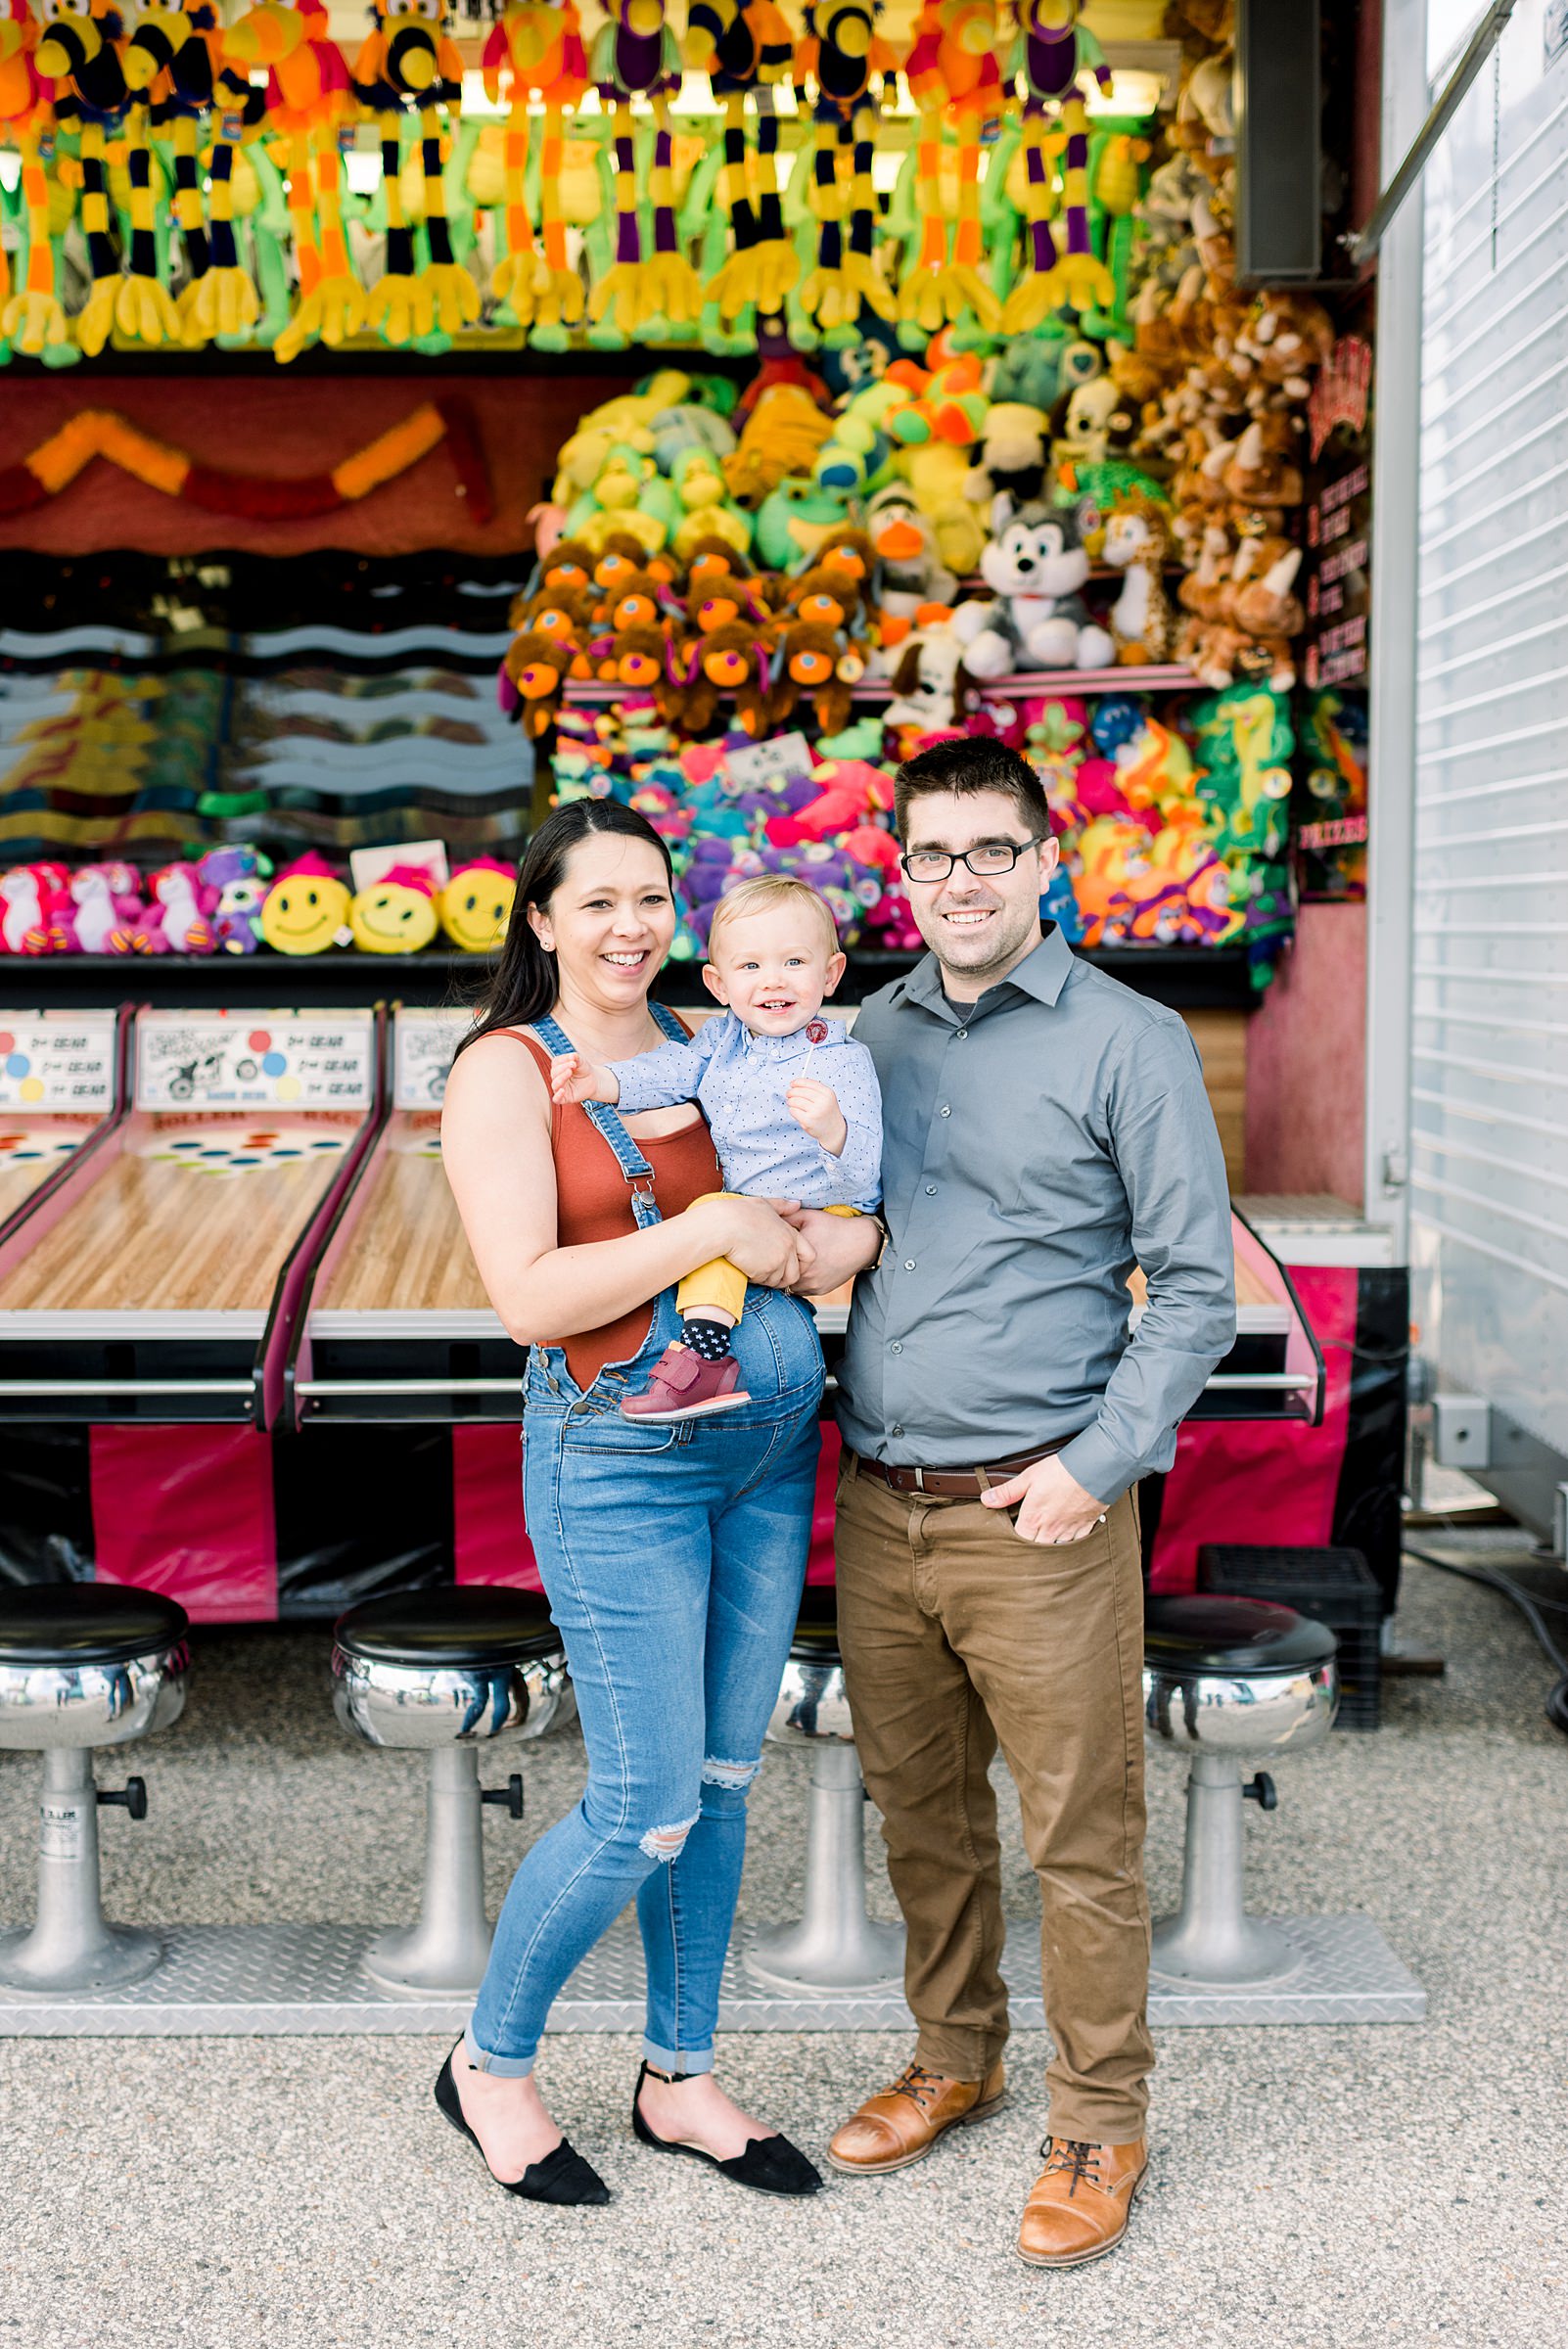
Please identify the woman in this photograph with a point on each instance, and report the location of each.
(672, 1555)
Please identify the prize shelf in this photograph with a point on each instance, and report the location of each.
(1186, 978)
(1165, 678)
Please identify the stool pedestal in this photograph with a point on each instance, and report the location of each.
(443, 1672)
(448, 1945)
(1225, 1680)
(1211, 1938)
(70, 1947)
(835, 1949)
(836, 1946)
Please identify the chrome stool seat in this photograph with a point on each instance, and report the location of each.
(1229, 1680)
(83, 1664)
(836, 1946)
(442, 1673)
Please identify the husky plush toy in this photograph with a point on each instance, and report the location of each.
(1035, 566)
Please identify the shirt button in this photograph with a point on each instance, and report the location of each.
(896, 1347)
(930, 1190)
(908, 1264)
(944, 1110)
(894, 1431)
(960, 1034)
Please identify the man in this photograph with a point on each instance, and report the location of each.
(1045, 1130)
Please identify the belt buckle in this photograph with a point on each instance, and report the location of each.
(919, 1476)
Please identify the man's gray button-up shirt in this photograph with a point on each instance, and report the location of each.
(1073, 1143)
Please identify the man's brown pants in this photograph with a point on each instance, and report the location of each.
(956, 1636)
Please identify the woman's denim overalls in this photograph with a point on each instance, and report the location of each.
(673, 1559)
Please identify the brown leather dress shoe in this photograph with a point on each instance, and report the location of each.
(904, 2121)
(1081, 2202)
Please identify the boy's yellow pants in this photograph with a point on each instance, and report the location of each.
(720, 1284)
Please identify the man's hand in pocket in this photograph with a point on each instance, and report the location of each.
(1052, 1507)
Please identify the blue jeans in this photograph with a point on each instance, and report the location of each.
(673, 1559)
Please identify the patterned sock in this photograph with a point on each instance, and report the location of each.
(708, 1339)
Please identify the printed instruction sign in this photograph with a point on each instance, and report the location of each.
(52, 1060)
(254, 1060)
(424, 1042)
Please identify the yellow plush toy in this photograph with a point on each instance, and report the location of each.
(307, 909)
(396, 914)
(475, 905)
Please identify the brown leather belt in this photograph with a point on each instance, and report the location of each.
(957, 1484)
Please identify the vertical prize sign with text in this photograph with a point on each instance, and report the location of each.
(1332, 815)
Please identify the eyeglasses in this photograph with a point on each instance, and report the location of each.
(989, 860)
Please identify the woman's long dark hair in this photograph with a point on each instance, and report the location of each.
(527, 981)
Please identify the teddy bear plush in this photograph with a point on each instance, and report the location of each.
(815, 658)
(636, 601)
(569, 563)
(1034, 565)
(536, 668)
(833, 594)
(729, 660)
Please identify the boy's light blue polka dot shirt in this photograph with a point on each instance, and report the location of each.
(740, 1081)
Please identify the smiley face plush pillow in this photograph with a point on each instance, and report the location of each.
(475, 905)
(396, 914)
(307, 909)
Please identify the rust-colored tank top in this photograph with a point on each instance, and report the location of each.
(593, 1202)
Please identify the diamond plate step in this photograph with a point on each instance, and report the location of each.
(238, 1980)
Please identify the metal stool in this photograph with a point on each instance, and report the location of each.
(442, 1672)
(83, 1664)
(1229, 1680)
(835, 1946)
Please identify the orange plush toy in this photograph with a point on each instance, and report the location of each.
(535, 52)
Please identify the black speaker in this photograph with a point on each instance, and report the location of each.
(1278, 116)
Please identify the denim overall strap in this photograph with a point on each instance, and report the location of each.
(608, 1122)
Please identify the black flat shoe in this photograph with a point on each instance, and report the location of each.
(563, 2176)
(769, 2164)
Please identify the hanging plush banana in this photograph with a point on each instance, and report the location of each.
(1053, 48)
(953, 73)
(637, 56)
(80, 53)
(536, 52)
(842, 55)
(410, 61)
(746, 52)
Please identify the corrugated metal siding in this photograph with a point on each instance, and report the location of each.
(1490, 1076)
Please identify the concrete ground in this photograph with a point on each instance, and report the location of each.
(1314, 2186)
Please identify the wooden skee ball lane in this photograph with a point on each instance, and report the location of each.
(150, 1281)
(62, 1086)
(394, 1322)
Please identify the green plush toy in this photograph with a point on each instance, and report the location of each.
(1243, 741)
(793, 522)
